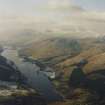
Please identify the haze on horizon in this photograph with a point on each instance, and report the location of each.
(80, 18)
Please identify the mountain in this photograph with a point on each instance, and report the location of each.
(95, 63)
(91, 74)
(53, 49)
(64, 54)
(91, 47)
(83, 55)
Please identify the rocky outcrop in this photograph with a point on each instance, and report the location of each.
(9, 71)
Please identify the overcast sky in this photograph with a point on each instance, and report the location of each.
(49, 14)
(97, 5)
(10, 7)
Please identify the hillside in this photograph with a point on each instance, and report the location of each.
(52, 49)
(65, 54)
(60, 46)
(95, 63)
(83, 55)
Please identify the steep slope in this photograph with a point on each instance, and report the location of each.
(58, 49)
(95, 63)
(52, 48)
(84, 55)
(94, 56)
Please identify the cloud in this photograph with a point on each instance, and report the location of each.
(56, 17)
(59, 6)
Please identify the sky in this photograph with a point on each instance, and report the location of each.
(95, 5)
(57, 16)
(10, 7)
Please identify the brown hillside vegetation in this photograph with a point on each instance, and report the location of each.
(94, 56)
(84, 55)
(95, 63)
(52, 47)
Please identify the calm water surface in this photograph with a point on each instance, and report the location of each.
(35, 78)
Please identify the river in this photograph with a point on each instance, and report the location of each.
(36, 79)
